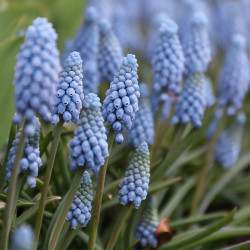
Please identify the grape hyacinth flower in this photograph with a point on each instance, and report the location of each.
(134, 186)
(79, 212)
(69, 96)
(90, 78)
(31, 160)
(110, 53)
(22, 238)
(89, 146)
(143, 125)
(234, 77)
(87, 37)
(214, 123)
(168, 59)
(228, 147)
(148, 223)
(121, 100)
(192, 101)
(196, 45)
(36, 73)
(210, 97)
(86, 43)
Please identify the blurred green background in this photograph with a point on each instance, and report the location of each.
(16, 15)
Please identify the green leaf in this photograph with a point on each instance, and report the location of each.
(223, 182)
(154, 187)
(196, 219)
(242, 246)
(191, 242)
(177, 198)
(33, 210)
(8, 50)
(194, 137)
(45, 142)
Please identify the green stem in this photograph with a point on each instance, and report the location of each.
(50, 164)
(118, 226)
(209, 162)
(98, 197)
(12, 135)
(9, 210)
(63, 213)
(67, 239)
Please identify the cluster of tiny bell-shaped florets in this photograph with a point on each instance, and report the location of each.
(196, 45)
(86, 43)
(87, 37)
(228, 147)
(192, 101)
(69, 95)
(210, 96)
(168, 59)
(134, 186)
(23, 238)
(210, 132)
(143, 125)
(110, 52)
(234, 76)
(121, 100)
(148, 224)
(36, 73)
(89, 146)
(80, 210)
(31, 160)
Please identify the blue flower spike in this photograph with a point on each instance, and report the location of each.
(210, 97)
(89, 146)
(36, 73)
(143, 125)
(234, 76)
(86, 43)
(121, 102)
(110, 53)
(228, 147)
(196, 45)
(22, 238)
(80, 210)
(168, 59)
(134, 186)
(69, 96)
(87, 37)
(31, 160)
(148, 223)
(192, 101)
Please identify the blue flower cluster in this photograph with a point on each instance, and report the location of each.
(31, 160)
(90, 77)
(22, 238)
(86, 42)
(110, 53)
(143, 125)
(214, 123)
(36, 72)
(148, 224)
(192, 101)
(196, 45)
(134, 186)
(79, 212)
(210, 97)
(234, 76)
(168, 59)
(89, 146)
(228, 147)
(87, 37)
(121, 100)
(69, 96)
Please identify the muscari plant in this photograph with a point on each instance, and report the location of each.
(87, 187)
